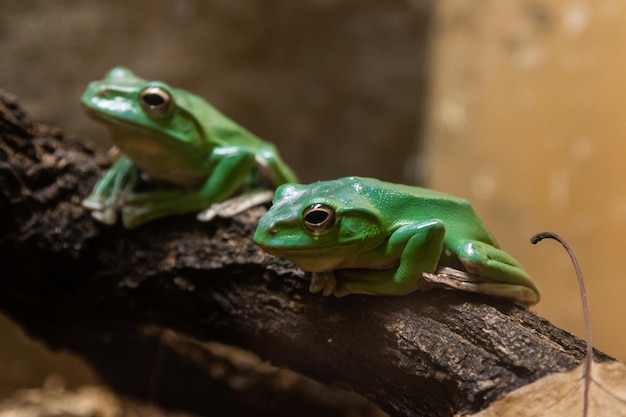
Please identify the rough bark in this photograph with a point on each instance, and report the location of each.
(142, 306)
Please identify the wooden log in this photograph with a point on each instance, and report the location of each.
(124, 300)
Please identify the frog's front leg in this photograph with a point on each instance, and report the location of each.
(491, 271)
(417, 247)
(110, 192)
(231, 168)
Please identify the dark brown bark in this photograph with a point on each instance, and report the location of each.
(140, 305)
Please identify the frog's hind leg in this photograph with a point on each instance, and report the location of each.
(494, 272)
(228, 176)
(273, 168)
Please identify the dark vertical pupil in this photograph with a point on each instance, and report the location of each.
(316, 217)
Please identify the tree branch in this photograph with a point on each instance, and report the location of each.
(142, 305)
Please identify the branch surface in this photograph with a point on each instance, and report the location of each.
(144, 306)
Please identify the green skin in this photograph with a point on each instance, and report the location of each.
(372, 237)
(176, 137)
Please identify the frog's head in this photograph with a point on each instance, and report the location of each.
(141, 113)
(319, 225)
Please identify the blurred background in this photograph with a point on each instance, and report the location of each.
(514, 105)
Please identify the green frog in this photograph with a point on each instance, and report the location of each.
(365, 236)
(177, 138)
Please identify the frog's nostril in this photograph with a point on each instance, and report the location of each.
(273, 229)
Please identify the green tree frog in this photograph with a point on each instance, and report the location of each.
(178, 138)
(365, 236)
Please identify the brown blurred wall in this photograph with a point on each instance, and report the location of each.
(336, 84)
(525, 120)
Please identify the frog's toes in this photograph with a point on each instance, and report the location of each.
(330, 288)
(107, 215)
(323, 281)
(317, 283)
(94, 202)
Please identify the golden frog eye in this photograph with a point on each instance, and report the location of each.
(155, 101)
(318, 218)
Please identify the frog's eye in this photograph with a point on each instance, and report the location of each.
(155, 101)
(318, 218)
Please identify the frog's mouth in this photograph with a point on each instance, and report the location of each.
(308, 251)
(330, 258)
(313, 259)
(120, 122)
(121, 129)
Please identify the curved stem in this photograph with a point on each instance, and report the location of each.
(583, 296)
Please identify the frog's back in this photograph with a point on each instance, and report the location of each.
(218, 128)
(410, 203)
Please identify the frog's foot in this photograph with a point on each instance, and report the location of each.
(106, 215)
(450, 278)
(323, 281)
(110, 193)
(502, 275)
(236, 205)
(105, 208)
(94, 202)
(100, 202)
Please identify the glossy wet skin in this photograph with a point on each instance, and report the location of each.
(176, 137)
(379, 238)
(166, 131)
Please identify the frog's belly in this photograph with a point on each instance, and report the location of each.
(329, 262)
(177, 166)
(173, 173)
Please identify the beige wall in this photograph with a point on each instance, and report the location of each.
(527, 120)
